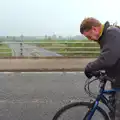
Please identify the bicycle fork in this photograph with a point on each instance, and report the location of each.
(92, 110)
(93, 107)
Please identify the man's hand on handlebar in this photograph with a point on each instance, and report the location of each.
(99, 74)
(89, 75)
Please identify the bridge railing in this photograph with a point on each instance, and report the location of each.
(55, 48)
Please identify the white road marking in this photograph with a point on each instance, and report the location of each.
(51, 72)
(42, 72)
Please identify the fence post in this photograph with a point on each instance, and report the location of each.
(21, 46)
(21, 49)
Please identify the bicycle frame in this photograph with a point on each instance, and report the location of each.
(101, 97)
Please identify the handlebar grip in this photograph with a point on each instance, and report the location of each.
(102, 75)
(99, 74)
(96, 74)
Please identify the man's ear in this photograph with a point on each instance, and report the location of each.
(93, 28)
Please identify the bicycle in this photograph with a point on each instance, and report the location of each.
(93, 105)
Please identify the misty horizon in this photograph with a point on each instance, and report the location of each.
(63, 18)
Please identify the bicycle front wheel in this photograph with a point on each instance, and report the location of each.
(65, 112)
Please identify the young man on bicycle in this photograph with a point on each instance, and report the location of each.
(108, 37)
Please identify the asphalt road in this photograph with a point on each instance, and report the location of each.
(31, 50)
(37, 96)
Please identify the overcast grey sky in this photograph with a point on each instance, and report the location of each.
(62, 17)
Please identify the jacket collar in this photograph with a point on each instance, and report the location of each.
(106, 25)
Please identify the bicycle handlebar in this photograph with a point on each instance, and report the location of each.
(102, 76)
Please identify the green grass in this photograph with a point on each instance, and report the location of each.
(69, 47)
(5, 48)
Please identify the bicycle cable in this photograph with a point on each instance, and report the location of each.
(87, 88)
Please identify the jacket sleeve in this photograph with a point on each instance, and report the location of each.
(109, 54)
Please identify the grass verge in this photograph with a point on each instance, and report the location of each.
(66, 48)
(5, 51)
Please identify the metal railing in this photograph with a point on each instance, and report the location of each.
(50, 49)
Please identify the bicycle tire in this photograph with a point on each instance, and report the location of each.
(76, 104)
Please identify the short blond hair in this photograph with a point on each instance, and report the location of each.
(87, 24)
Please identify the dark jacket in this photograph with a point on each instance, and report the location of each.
(109, 58)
